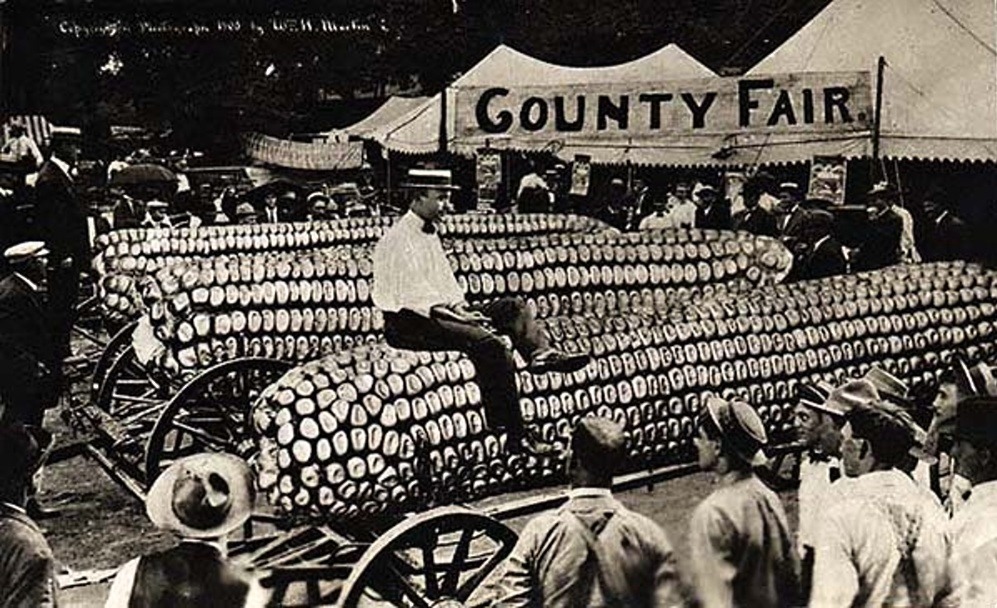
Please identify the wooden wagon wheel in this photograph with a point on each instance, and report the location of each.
(119, 342)
(434, 559)
(209, 413)
(131, 391)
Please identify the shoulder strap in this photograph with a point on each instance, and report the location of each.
(609, 578)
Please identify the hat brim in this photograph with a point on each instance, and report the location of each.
(159, 502)
(419, 186)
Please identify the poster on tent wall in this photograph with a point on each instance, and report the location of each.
(489, 175)
(823, 104)
(828, 176)
(581, 175)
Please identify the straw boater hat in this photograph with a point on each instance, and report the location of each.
(244, 209)
(202, 496)
(429, 179)
(25, 251)
(742, 430)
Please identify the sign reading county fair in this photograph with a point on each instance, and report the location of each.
(817, 103)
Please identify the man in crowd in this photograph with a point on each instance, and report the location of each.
(156, 216)
(883, 230)
(63, 224)
(593, 551)
(425, 309)
(245, 213)
(942, 234)
(794, 218)
(616, 210)
(639, 200)
(31, 378)
(713, 212)
(683, 208)
(883, 541)
(754, 218)
(973, 529)
(533, 195)
(818, 254)
(272, 212)
(128, 211)
(202, 499)
(819, 417)
(742, 549)
(27, 567)
(659, 218)
(23, 149)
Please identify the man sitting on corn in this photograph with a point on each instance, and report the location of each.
(424, 309)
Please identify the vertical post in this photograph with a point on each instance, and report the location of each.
(443, 122)
(878, 116)
(387, 178)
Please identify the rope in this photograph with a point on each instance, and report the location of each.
(964, 28)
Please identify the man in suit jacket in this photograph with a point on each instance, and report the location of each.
(825, 256)
(753, 218)
(942, 234)
(794, 217)
(713, 212)
(63, 223)
(128, 212)
(31, 377)
(881, 245)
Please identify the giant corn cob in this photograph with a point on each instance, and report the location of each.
(299, 306)
(125, 257)
(376, 430)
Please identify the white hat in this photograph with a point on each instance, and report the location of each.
(25, 251)
(202, 496)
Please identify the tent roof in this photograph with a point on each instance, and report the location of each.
(386, 114)
(417, 131)
(940, 81)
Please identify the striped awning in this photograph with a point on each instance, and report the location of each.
(38, 127)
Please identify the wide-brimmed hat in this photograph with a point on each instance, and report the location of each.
(202, 496)
(883, 190)
(815, 394)
(888, 385)
(741, 428)
(22, 252)
(850, 395)
(429, 179)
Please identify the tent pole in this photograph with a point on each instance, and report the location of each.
(387, 176)
(878, 117)
(443, 121)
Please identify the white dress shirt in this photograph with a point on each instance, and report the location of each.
(813, 496)
(908, 248)
(657, 221)
(883, 543)
(973, 532)
(684, 214)
(411, 271)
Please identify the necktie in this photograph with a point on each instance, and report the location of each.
(428, 227)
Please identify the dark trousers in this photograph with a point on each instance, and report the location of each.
(493, 362)
(63, 292)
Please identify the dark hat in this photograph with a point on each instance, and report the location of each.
(883, 190)
(740, 428)
(429, 179)
(975, 380)
(22, 450)
(976, 420)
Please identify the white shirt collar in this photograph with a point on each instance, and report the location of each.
(590, 493)
(62, 165)
(412, 221)
(216, 543)
(942, 216)
(821, 242)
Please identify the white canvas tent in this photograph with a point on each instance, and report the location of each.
(384, 116)
(939, 97)
(418, 132)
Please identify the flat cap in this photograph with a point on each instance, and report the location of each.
(740, 426)
(850, 395)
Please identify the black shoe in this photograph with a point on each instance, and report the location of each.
(38, 513)
(552, 360)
